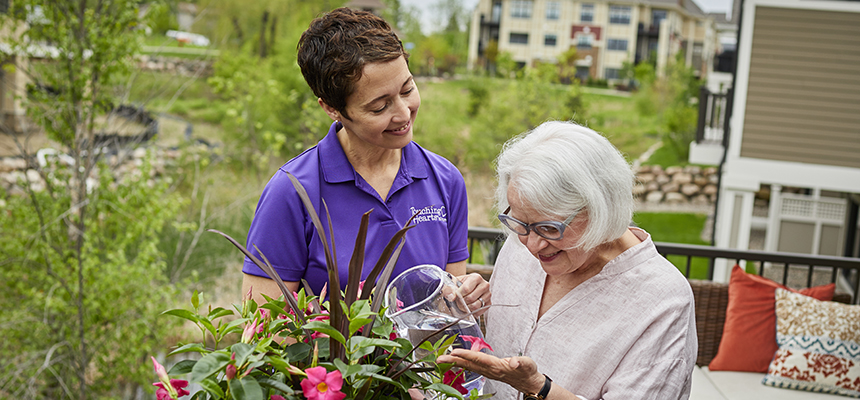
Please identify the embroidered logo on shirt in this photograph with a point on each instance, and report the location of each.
(429, 214)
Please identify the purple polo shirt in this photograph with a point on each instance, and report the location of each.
(426, 182)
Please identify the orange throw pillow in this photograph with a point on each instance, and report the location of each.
(749, 334)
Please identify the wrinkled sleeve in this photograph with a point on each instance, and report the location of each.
(659, 366)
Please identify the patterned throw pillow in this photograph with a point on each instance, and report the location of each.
(819, 346)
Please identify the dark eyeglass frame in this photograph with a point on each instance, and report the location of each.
(559, 226)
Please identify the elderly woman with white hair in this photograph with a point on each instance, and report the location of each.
(585, 306)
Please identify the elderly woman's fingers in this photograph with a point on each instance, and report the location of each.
(519, 372)
(485, 364)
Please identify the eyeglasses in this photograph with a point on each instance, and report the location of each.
(551, 230)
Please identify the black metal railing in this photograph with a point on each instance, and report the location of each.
(715, 110)
(846, 269)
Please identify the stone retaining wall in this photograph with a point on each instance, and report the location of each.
(16, 172)
(175, 65)
(676, 185)
(688, 185)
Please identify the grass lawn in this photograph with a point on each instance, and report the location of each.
(677, 228)
(617, 119)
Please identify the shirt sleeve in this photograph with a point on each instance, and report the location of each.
(279, 231)
(458, 220)
(668, 379)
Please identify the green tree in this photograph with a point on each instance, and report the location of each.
(271, 114)
(672, 98)
(82, 278)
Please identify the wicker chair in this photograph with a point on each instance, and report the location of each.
(712, 298)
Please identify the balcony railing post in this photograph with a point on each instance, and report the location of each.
(704, 104)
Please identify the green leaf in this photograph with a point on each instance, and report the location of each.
(195, 347)
(322, 327)
(384, 343)
(182, 367)
(208, 325)
(218, 313)
(234, 324)
(246, 388)
(276, 384)
(185, 314)
(209, 365)
(195, 299)
(242, 351)
(212, 387)
(445, 389)
(357, 323)
(298, 351)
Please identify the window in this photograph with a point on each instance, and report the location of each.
(612, 73)
(519, 38)
(583, 41)
(521, 9)
(583, 73)
(619, 15)
(553, 9)
(549, 39)
(656, 17)
(587, 13)
(496, 15)
(616, 44)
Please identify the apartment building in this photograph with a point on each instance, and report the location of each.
(604, 33)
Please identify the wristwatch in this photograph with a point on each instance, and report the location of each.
(544, 391)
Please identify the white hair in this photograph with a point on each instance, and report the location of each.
(558, 168)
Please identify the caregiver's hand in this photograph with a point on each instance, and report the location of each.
(475, 290)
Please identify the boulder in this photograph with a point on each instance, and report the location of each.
(700, 199)
(690, 189)
(670, 187)
(675, 198)
(654, 197)
(645, 178)
(652, 186)
(674, 170)
(710, 189)
(682, 178)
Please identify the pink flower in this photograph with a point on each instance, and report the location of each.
(230, 372)
(455, 380)
(173, 391)
(315, 335)
(277, 397)
(296, 296)
(478, 344)
(168, 388)
(265, 314)
(322, 385)
(250, 330)
(159, 370)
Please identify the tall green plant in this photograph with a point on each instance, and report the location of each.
(83, 279)
(672, 98)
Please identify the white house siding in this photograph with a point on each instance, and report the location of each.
(778, 94)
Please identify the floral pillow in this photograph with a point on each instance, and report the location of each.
(819, 346)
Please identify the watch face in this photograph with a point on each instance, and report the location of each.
(531, 397)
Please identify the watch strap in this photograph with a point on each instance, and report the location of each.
(544, 391)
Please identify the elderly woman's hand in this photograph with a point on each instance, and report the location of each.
(519, 372)
(475, 291)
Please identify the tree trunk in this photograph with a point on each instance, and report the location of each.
(263, 24)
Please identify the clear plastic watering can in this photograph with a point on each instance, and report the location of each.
(418, 306)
